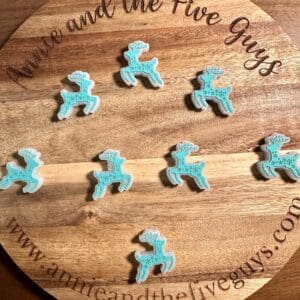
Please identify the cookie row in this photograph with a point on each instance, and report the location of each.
(146, 69)
(115, 173)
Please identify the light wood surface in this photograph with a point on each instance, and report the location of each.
(212, 233)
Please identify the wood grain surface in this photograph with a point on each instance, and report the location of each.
(211, 233)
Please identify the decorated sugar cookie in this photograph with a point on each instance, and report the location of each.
(182, 168)
(209, 92)
(274, 160)
(28, 174)
(83, 97)
(136, 67)
(157, 256)
(114, 174)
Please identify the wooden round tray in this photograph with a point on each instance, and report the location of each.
(223, 239)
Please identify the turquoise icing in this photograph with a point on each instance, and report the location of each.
(135, 67)
(209, 92)
(193, 170)
(114, 174)
(28, 174)
(274, 160)
(157, 256)
(83, 97)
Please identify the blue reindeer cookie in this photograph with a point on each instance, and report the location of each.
(114, 174)
(143, 68)
(274, 160)
(83, 97)
(209, 92)
(182, 168)
(29, 174)
(156, 257)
